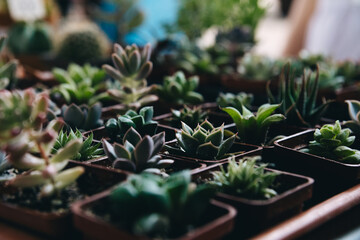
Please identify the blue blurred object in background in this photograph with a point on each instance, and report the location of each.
(157, 13)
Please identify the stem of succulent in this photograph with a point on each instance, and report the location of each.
(47, 163)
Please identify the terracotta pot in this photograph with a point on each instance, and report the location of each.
(239, 150)
(312, 165)
(101, 133)
(255, 215)
(220, 222)
(58, 225)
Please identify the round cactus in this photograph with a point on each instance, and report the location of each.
(81, 42)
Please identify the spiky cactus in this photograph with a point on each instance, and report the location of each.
(204, 142)
(138, 153)
(132, 66)
(81, 42)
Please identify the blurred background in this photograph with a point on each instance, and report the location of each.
(251, 39)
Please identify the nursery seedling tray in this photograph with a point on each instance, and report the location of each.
(315, 166)
(221, 220)
(238, 150)
(179, 164)
(58, 225)
(255, 215)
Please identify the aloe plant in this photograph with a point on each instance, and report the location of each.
(180, 90)
(7, 70)
(80, 84)
(87, 151)
(138, 153)
(235, 100)
(82, 117)
(298, 99)
(132, 69)
(142, 122)
(190, 116)
(244, 178)
(354, 112)
(252, 128)
(169, 204)
(332, 142)
(28, 145)
(204, 142)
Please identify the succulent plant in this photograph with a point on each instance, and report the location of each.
(196, 61)
(138, 153)
(329, 78)
(81, 41)
(244, 178)
(177, 89)
(298, 99)
(354, 112)
(253, 128)
(80, 84)
(142, 122)
(87, 151)
(28, 145)
(332, 142)
(350, 70)
(7, 70)
(258, 68)
(132, 68)
(169, 204)
(236, 101)
(190, 116)
(82, 117)
(30, 38)
(204, 142)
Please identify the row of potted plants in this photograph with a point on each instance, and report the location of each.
(36, 174)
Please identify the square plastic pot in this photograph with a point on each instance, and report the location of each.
(255, 215)
(219, 221)
(59, 225)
